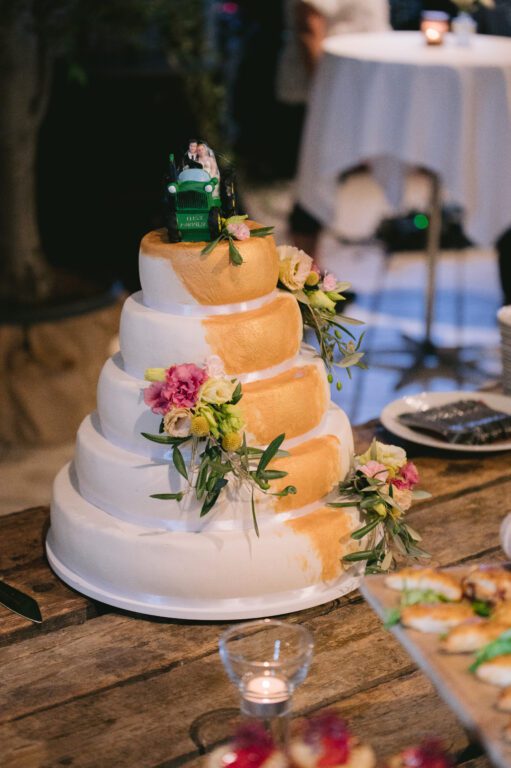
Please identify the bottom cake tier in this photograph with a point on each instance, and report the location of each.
(293, 564)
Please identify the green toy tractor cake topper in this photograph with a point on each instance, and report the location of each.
(197, 196)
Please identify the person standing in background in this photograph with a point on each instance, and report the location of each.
(309, 22)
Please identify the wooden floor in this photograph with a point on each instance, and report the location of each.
(96, 687)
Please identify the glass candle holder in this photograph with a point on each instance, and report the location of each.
(434, 27)
(267, 660)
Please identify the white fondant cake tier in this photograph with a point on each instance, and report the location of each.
(248, 341)
(121, 483)
(124, 415)
(178, 273)
(222, 575)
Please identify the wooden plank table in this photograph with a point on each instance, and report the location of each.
(94, 686)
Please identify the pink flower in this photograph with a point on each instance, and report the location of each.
(329, 282)
(156, 398)
(315, 268)
(374, 469)
(239, 230)
(182, 384)
(407, 478)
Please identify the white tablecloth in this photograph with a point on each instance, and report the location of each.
(389, 99)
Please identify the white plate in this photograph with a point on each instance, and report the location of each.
(425, 400)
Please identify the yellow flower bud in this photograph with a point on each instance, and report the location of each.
(232, 441)
(199, 426)
(312, 279)
(380, 508)
(154, 374)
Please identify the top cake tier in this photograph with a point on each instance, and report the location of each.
(177, 273)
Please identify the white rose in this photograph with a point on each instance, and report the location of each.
(294, 267)
(217, 391)
(177, 422)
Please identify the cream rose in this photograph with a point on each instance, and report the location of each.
(217, 391)
(177, 422)
(294, 267)
(391, 455)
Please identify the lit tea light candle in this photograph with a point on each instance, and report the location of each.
(266, 689)
(265, 696)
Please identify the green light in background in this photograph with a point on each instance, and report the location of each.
(421, 221)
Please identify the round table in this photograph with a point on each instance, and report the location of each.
(392, 101)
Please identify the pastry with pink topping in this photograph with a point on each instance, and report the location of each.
(429, 754)
(252, 747)
(326, 742)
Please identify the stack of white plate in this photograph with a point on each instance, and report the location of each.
(504, 318)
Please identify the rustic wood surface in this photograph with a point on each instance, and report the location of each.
(472, 700)
(97, 687)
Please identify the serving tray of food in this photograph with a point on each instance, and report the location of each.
(456, 625)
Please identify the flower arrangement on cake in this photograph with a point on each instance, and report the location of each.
(382, 483)
(324, 741)
(319, 295)
(198, 406)
(234, 228)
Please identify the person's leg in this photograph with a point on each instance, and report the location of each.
(503, 246)
(304, 230)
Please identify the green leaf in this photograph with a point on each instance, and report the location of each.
(235, 256)
(272, 474)
(352, 359)
(254, 517)
(354, 557)
(261, 231)
(237, 394)
(269, 453)
(210, 246)
(351, 320)
(212, 496)
(219, 468)
(301, 296)
(420, 495)
(498, 647)
(387, 561)
(342, 504)
(481, 608)
(412, 532)
(361, 532)
(289, 490)
(20, 603)
(168, 496)
(165, 439)
(177, 458)
(392, 617)
(200, 485)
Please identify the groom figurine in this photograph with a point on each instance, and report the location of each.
(190, 159)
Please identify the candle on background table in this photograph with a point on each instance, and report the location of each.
(434, 26)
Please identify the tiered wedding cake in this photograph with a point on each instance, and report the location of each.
(110, 540)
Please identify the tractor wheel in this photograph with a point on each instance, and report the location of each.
(214, 224)
(172, 227)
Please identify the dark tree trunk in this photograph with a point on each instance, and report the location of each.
(25, 67)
